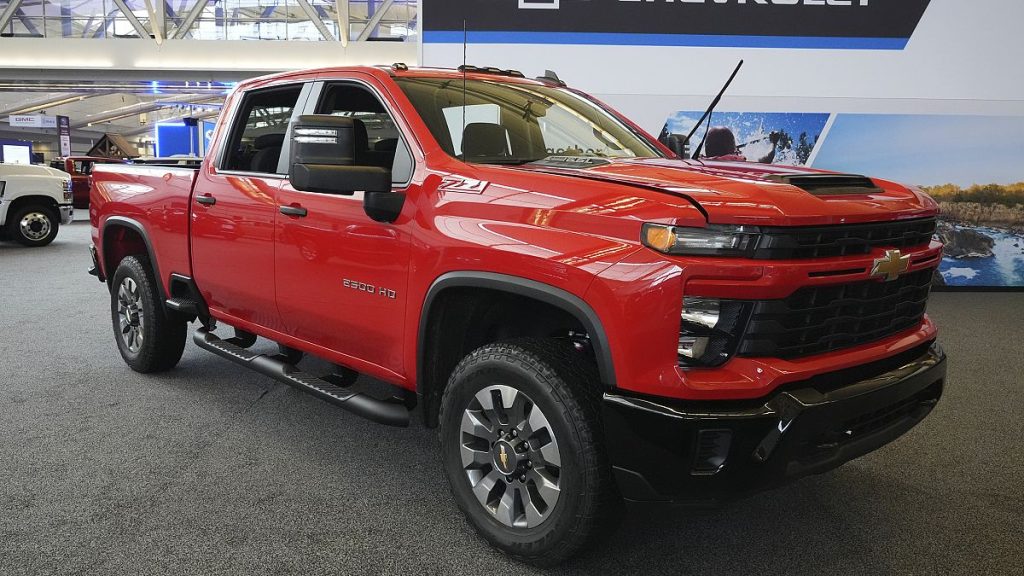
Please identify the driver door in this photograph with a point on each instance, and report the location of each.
(340, 277)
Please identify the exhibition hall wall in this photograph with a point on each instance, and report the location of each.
(928, 93)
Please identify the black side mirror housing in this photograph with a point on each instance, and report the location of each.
(345, 180)
(383, 206)
(324, 159)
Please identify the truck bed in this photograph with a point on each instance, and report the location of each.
(155, 198)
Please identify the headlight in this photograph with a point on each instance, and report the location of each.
(710, 241)
(68, 194)
(709, 330)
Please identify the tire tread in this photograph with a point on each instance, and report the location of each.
(162, 349)
(573, 378)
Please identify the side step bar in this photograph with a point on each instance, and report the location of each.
(379, 411)
(183, 306)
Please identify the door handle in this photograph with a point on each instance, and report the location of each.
(298, 211)
(206, 200)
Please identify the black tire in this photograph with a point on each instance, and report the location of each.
(148, 337)
(41, 227)
(562, 382)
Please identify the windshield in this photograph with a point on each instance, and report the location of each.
(507, 123)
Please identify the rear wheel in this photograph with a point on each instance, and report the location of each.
(33, 225)
(522, 447)
(148, 337)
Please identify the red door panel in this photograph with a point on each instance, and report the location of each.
(341, 277)
(233, 245)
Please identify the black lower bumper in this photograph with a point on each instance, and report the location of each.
(705, 452)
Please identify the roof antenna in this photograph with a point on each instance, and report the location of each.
(462, 137)
(711, 109)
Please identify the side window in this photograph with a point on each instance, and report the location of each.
(378, 139)
(259, 129)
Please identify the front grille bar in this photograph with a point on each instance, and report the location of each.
(820, 319)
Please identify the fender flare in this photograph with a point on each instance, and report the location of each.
(135, 226)
(570, 303)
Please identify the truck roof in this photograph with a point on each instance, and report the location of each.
(94, 158)
(399, 70)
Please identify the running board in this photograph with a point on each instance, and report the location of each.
(379, 411)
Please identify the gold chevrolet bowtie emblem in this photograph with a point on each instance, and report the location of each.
(891, 265)
(504, 458)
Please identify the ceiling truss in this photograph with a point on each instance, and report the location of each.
(160, 20)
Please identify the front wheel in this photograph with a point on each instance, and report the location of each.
(33, 225)
(149, 339)
(522, 446)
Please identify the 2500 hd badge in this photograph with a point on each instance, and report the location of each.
(369, 288)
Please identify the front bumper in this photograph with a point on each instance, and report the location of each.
(707, 452)
(67, 213)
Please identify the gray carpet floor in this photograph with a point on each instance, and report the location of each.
(211, 469)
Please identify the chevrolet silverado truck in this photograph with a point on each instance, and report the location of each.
(585, 317)
(34, 202)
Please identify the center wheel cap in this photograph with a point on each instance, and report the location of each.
(519, 488)
(505, 459)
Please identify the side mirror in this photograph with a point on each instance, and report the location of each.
(324, 159)
(678, 144)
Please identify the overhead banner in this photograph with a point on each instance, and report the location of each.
(32, 121)
(64, 132)
(821, 24)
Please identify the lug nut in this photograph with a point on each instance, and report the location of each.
(514, 433)
(522, 478)
(508, 479)
(529, 464)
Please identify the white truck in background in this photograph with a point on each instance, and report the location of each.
(34, 202)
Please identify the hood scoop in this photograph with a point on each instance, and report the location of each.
(829, 184)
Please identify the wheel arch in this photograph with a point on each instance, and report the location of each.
(42, 199)
(567, 302)
(138, 234)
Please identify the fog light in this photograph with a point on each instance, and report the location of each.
(693, 347)
(702, 311)
(709, 329)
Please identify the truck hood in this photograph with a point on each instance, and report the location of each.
(35, 170)
(751, 193)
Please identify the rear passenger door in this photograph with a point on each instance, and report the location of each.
(234, 209)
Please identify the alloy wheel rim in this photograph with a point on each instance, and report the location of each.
(510, 456)
(129, 313)
(35, 225)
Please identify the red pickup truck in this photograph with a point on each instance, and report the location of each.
(583, 315)
(80, 167)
